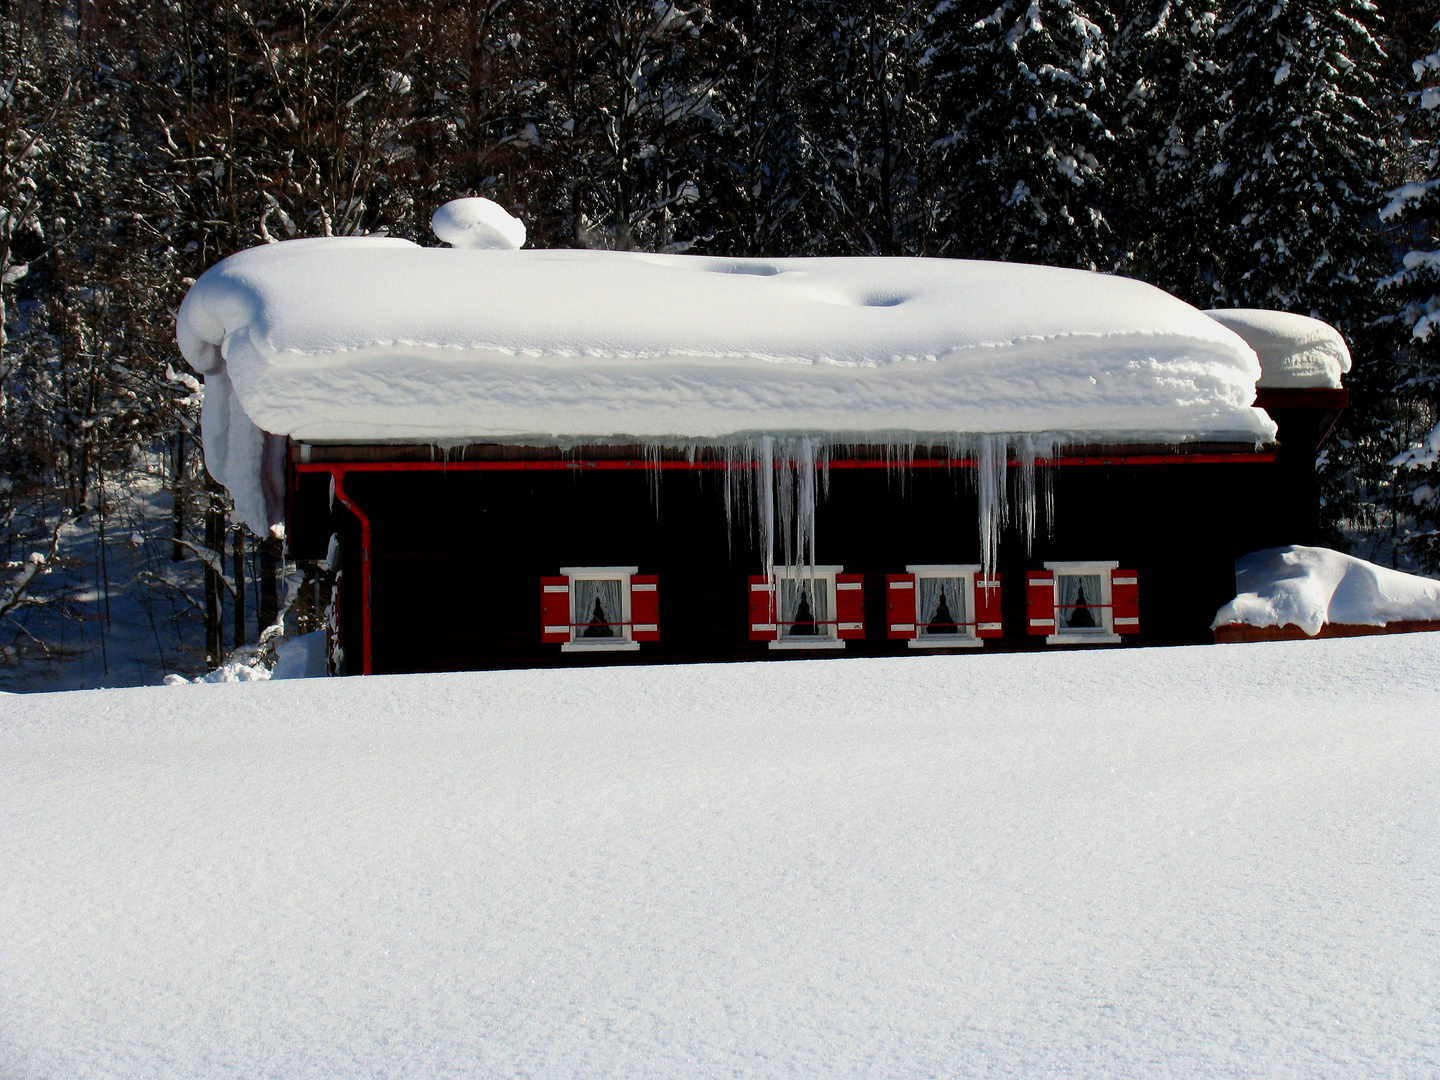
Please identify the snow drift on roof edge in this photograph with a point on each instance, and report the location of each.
(1295, 351)
(376, 339)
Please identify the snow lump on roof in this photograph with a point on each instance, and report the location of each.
(1295, 351)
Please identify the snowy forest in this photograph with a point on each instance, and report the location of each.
(1276, 153)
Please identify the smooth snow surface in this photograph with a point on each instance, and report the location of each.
(1294, 350)
(1187, 863)
(1309, 587)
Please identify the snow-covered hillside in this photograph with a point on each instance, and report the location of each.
(1196, 862)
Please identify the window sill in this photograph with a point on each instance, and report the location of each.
(956, 642)
(823, 643)
(1082, 639)
(600, 646)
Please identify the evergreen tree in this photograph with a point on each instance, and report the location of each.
(1301, 153)
(757, 201)
(867, 123)
(1413, 212)
(1022, 95)
(1168, 85)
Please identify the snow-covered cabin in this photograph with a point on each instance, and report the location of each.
(591, 456)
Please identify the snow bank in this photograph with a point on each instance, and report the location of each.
(236, 671)
(303, 657)
(1294, 350)
(1309, 587)
(1163, 863)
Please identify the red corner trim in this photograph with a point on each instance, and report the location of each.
(366, 658)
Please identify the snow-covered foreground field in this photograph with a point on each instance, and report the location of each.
(1194, 862)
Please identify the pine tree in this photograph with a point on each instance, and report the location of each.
(1413, 213)
(761, 201)
(631, 127)
(1168, 86)
(1022, 94)
(867, 123)
(1300, 158)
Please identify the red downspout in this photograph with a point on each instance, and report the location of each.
(337, 476)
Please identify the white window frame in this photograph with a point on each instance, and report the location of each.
(966, 638)
(625, 642)
(831, 631)
(1105, 634)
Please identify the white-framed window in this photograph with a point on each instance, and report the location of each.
(1083, 602)
(600, 609)
(805, 606)
(945, 607)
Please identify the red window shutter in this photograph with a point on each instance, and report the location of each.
(987, 607)
(900, 607)
(762, 610)
(850, 606)
(555, 609)
(644, 607)
(1040, 602)
(1125, 598)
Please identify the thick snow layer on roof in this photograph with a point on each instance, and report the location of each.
(1294, 350)
(376, 338)
(1148, 863)
(359, 339)
(1309, 587)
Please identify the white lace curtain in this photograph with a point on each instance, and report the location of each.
(804, 598)
(597, 607)
(1077, 592)
(941, 605)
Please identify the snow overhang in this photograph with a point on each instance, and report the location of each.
(1295, 352)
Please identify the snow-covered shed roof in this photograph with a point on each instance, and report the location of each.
(377, 339)
(1295, 351)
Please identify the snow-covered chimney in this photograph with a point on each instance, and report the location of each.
(478, 223)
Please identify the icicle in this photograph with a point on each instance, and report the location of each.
(765, 487)
(654, 454)
(771, 485)
(805, 501)
(1025, 491)
(992, 452)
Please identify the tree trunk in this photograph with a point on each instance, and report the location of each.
(214, 602)
(237, 564)
(177, 489)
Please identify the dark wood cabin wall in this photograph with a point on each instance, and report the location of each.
(1298, 483)
(457, 556)
(347, 527)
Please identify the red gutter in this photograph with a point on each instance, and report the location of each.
(336, 468)
(337, 476)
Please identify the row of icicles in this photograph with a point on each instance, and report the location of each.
(781, 512)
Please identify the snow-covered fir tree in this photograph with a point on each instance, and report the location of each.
(1022, 95)
(1167, 85)
(1300, 158)
(633, 125)
(1412, 210)
(867, 123)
